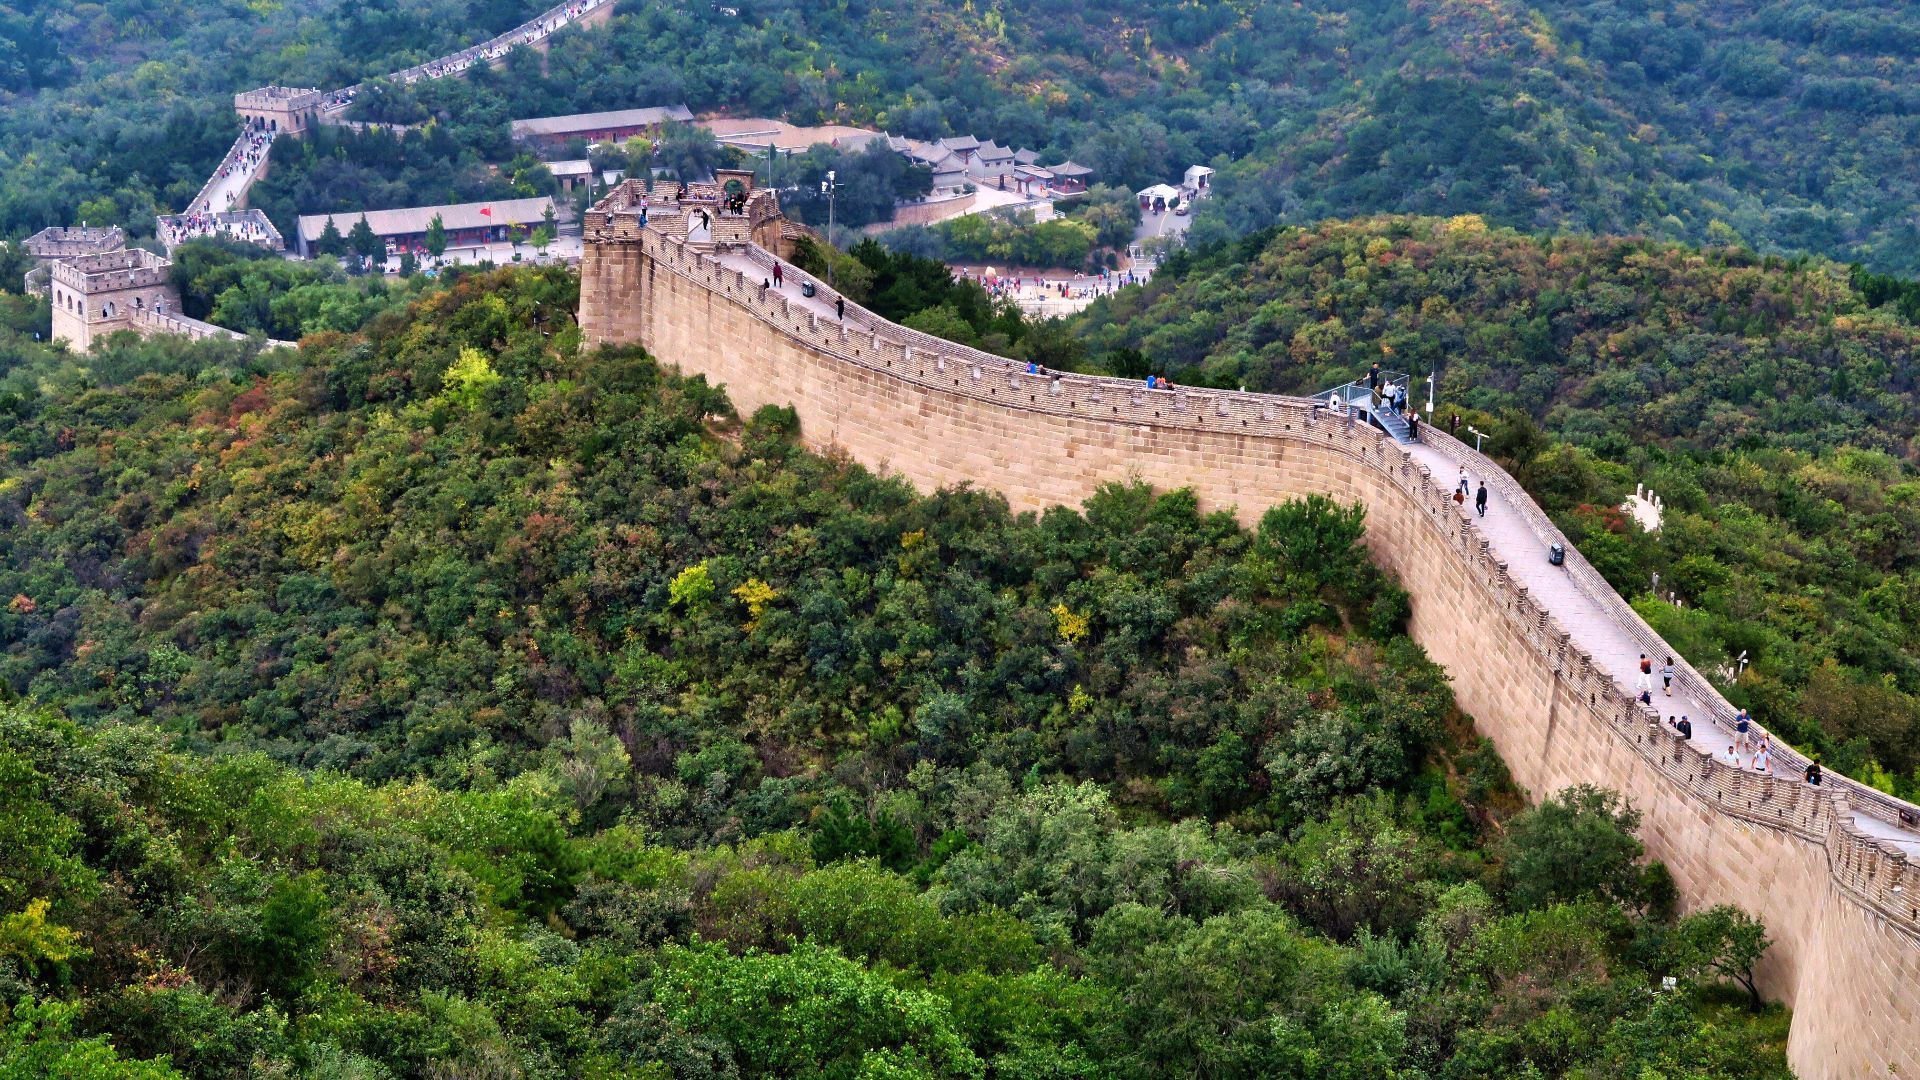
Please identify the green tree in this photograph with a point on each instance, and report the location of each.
(1722, 941)
(436, 239)
(330, 242)
(1316, 538)
(368, 247)
(1577, 845)
(38, 1041)
(811, 1012)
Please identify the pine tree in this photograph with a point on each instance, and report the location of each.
(436, 238)
(365, 244)
(330, 241)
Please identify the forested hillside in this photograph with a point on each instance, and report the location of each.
(438, 701)
(1786, 125)
(1771, 403)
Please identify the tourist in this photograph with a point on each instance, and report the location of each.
(1742, 724)
(1646, 698)
(1644, 680)
(1666, 677)
(777, 279)
(1413, 427)
(1733, 758)
(1813, 771)
(1763, 761)
(840, 308)
(1373, 379)
(1453, 426)
(1480, 499)
(1685, 727)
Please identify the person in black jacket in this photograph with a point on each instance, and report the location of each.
(1480, 499)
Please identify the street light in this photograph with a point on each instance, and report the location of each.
(1477, 436)
(1431, 376)
(827, 188)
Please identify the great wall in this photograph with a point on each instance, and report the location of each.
(1533, 653)
(1825, 868)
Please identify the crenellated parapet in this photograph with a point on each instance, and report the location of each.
(1823, 867)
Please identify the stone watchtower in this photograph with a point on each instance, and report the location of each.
(49, 246)
(95, 295)
(286, 110)
(620, 230)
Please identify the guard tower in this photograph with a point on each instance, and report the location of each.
(49, 246)
(95, 295)
(287, 110)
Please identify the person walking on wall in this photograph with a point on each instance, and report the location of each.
(779, 276)
(1480, 499)
(840, 308)
(1465, 487)
(1813, 771)
(1453, 426)
(1742, 724)
(1413, 426)
(1373, 379)
(1666, 677)
(1644, 680)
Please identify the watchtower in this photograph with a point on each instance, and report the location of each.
(95, 295)
(55, 243)
(287, 110)
(49, 246)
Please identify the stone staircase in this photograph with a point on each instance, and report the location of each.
(1395, 426)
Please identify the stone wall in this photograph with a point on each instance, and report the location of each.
(927, 211)
(1836, 902)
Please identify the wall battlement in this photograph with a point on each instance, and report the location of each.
(132, 268)
(1839, 902)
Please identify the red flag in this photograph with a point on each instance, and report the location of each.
(486, 211)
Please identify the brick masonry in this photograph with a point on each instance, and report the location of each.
(1836, 902)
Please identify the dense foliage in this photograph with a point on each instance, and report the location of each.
(441, 701)
(1770, 403)
(245, 287)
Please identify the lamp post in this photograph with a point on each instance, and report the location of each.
(1477, 436)
(827, 188)
(1432, 375)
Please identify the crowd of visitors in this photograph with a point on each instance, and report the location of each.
(177, 229)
